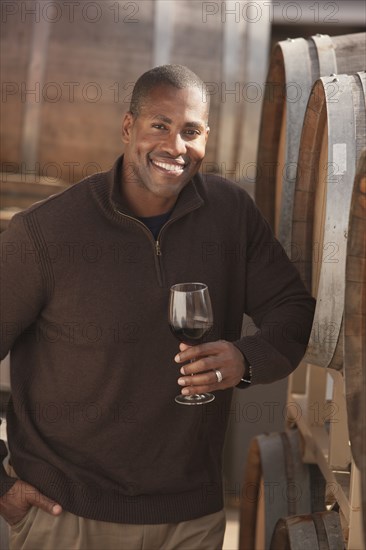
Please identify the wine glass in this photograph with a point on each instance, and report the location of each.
(190, 318)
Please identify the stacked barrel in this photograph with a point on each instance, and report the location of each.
(311, 186)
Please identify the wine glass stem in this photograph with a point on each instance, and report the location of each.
(192, 374)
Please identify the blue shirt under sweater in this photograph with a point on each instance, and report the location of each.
(155, 223)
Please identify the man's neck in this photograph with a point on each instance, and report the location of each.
(146, 205)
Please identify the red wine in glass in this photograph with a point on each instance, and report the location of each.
(190, 318)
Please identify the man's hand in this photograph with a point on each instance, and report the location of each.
(220, 355)
(16, 502)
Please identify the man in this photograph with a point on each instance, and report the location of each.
(104, 456)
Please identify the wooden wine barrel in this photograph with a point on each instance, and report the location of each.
(355, 326)
(320, 531)
(288, 87)
(276, 484)
(332, 138)
(17, 192)
(69, 72)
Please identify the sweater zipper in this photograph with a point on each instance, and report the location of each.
(145, 229)
(172, 220)
(156, 243)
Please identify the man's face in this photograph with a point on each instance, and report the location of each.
(165, 143)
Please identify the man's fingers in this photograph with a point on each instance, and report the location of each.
(208, 378)
(205, 359)
(35, 498)
(183, 346)
(187, 353)
(15, 504)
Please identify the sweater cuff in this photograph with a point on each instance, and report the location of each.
(246, 381)
(6, 482)
(268, 364)
(254, 355)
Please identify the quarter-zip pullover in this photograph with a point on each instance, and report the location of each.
(92, 421)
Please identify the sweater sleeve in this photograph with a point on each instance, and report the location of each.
(278, 303)
(22, 288)
(21, 296)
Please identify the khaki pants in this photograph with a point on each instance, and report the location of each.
(41, 531)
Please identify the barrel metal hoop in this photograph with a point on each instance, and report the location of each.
(326, 54)
(297, 75)
(362, 77)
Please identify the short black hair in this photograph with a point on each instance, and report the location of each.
(178, 76)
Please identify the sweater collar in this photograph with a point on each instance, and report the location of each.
(107, 192)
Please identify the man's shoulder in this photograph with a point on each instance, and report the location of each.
(72, 198)
(61, 212)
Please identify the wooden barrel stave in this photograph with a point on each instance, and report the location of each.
(15, 60)
(104, 84)
(350, 52)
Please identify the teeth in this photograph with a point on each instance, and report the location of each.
(169, 167)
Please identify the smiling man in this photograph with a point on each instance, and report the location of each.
(101, 454)
(165, 135)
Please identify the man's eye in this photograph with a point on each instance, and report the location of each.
(159, 126)
(193, 132)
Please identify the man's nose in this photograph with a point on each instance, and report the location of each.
(175, 145)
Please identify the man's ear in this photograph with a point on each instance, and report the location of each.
(127, 124)
(207, 132)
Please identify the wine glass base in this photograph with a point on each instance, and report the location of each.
(198, 399)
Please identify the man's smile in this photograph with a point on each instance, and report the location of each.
(169, 166)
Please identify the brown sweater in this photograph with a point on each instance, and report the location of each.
(92, 422)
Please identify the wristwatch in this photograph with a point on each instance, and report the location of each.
(246, 380)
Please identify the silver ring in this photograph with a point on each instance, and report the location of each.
(218, 375)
